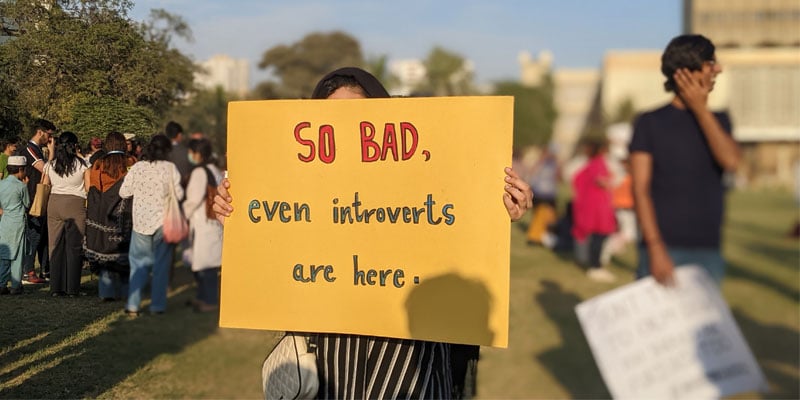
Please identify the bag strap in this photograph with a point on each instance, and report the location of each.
(45, 169)
(212, 180)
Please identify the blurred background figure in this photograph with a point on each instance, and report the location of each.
(679, 155)
(8, 146)
(14, 202)
(68, 174)
(132, 146)
(95, 146)
(544, 179)
(593, 213)
(148, 182)
(795, 231)
(205, 251)
(109, 219)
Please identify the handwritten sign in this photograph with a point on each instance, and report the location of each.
(378, 217)
(669, 343)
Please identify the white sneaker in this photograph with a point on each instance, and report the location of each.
(600, 275)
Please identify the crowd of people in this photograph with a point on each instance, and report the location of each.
(105, 212)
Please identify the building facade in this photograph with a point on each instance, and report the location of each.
(233, 75)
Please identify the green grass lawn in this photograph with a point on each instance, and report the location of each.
(80, 347)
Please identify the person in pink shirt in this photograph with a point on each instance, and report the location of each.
(593, 210)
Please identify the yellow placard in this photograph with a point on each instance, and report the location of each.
(378, 217)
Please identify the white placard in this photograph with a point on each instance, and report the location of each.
(654, 342)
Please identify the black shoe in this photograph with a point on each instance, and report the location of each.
(4, 290)
(15, 291)
(132, 314)
(57, 294)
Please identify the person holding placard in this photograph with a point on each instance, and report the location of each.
(679, 154)
(380, 367)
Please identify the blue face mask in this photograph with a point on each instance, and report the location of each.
(191, 159)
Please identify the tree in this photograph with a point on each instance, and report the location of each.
(448, 74)
(299, 66)
(77, 62)
(379, 66)
(534, 112)
(206, 112)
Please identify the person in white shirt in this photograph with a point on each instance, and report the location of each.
(149, 183)
(66, 213)
(206, 232)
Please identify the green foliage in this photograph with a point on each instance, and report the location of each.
(72, 51)
(97, 116)
(299, 66)
(625, 112)
(534, 112)
(379, 66)
(448, 74)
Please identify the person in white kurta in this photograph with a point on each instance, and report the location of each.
(205, 231)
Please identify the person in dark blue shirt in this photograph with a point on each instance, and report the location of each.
(679, 154)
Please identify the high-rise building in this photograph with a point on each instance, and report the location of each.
(233, 75)
(744, 23)
(410, 73)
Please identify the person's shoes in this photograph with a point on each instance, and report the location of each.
(15, 291)
(4, 290)
(132, 314)
(600, 275)
(204, 308)
(31, 278)
(57, 294)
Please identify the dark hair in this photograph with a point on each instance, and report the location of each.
(5, 142)
(158, 149)
(349, 77)
(66, 154)
(42, 125)
(685, 51)
(594, 145)
(13, 169)
(202, 147)
(173, 129)
(332, 84)
(116, 164)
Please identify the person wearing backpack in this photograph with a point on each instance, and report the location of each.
(205, 252)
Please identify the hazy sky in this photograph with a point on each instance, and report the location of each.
(490, 33)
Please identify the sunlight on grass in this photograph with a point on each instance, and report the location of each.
(33, 362)
(84, 348)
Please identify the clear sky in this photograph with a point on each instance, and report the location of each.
(490, 33)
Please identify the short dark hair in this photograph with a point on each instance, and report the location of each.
(202, 147)
(8, 141)
(685, 51)
(173, 129)
(158, 149)
(42, 125)
(13, 169)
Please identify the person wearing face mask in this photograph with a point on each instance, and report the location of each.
(205, 253)
(368, 367)
(679, 154)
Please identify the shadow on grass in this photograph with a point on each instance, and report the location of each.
(780, 249)
(736, 270)
(777, 349)
(81, 347)
(572, 362)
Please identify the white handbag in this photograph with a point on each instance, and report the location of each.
(290, 370)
